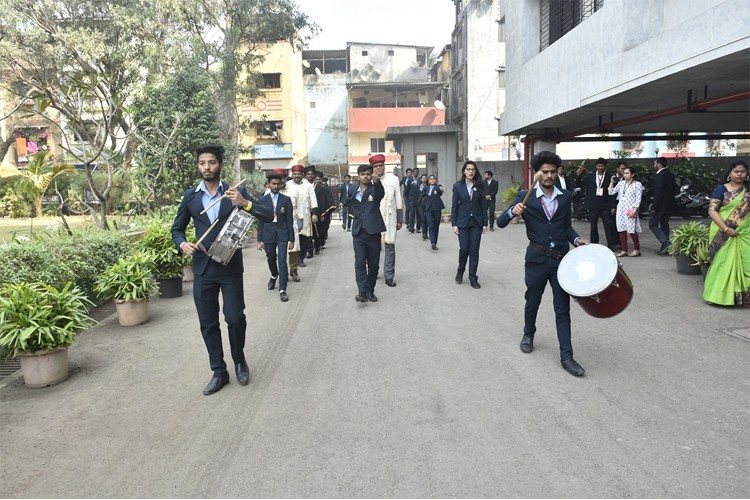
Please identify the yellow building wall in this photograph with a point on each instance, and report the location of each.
(285, 104)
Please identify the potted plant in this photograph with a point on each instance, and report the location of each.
(167, 263)
(702, 258)
(37, 324)
(445, 215)
(685, 242)
(509, 195)
(129, 283)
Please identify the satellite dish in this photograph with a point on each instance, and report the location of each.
(318, 72)
(439, 105)
(305, 63)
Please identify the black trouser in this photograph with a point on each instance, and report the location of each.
(432, 221)
(411, 213)
(658, 223)
(606, 217)
(366, 260)
(206, 288)
(536, 278)
(469, 239)
(491, 211)
(421, 226)
(305, 244)
(346, 221)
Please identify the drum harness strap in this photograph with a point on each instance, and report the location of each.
(555, 254)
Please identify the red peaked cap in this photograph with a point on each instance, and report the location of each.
(298, 168)
(377, 159)
(279, 171)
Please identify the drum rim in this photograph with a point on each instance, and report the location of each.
(591, 246)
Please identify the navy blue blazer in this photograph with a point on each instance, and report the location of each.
(270, 233)
(366, 213)
(541, 230)
(434, 201)
(664, 190)
(464, 208)
(191, 207)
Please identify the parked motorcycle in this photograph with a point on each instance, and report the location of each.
(687, 205)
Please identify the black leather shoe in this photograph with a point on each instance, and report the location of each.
(371, 297)
(572, 367)
(301, 263)
(317, 251)
(390, 283)
(424, 236)
(242, 372)
(475, 285)
(434, 247)
(309, 254)
(215, 384)
(527, 344)
(272, 283)
(283, 296)
(459, 278)
(492, 228)
(361, 297)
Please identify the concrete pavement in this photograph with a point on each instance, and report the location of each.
(422, 394)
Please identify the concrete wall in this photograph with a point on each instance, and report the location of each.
(485, 98)
(378, 66)
(443, 145)
(327, 130)
(652, 39)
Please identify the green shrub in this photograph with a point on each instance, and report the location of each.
(12, 205)
(56, 259)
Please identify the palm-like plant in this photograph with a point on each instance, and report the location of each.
(36, 179)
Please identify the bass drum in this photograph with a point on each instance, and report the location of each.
(594, 277)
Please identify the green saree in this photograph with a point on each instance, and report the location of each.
(728, 278)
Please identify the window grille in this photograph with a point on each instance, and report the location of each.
(560, 16)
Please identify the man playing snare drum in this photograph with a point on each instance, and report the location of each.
(548, 226)
(211, 277)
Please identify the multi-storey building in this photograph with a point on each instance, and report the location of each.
(629, 67)
(478, 80)
(274, 125)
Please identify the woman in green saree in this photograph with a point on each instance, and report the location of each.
(728, 278)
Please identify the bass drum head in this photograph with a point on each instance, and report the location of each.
(587, 270)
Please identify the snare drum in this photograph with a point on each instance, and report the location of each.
(596, 280)
(231, 236)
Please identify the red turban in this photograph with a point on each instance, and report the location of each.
(377, 159)
(279, 171)
(298, 168)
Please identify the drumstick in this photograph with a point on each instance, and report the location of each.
(207, 231)
(222, 196)
(537, 178)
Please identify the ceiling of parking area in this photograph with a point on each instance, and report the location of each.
(720, 102)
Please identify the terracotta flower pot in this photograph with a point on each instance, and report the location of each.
(44, 368)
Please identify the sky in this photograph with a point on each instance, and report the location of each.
(402, 22)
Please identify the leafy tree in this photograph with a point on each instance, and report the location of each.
(170, 120)
(36, 179)
(225, 34)
(85, 59)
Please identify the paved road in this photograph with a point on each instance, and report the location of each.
(423, 394)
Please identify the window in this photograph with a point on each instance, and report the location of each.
(390, 52)
(377, 145)
(268, 129)
(364, 52)
(312, 104)
(271, 81)
(560, 16)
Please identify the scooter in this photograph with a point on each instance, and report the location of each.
(687, 205)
